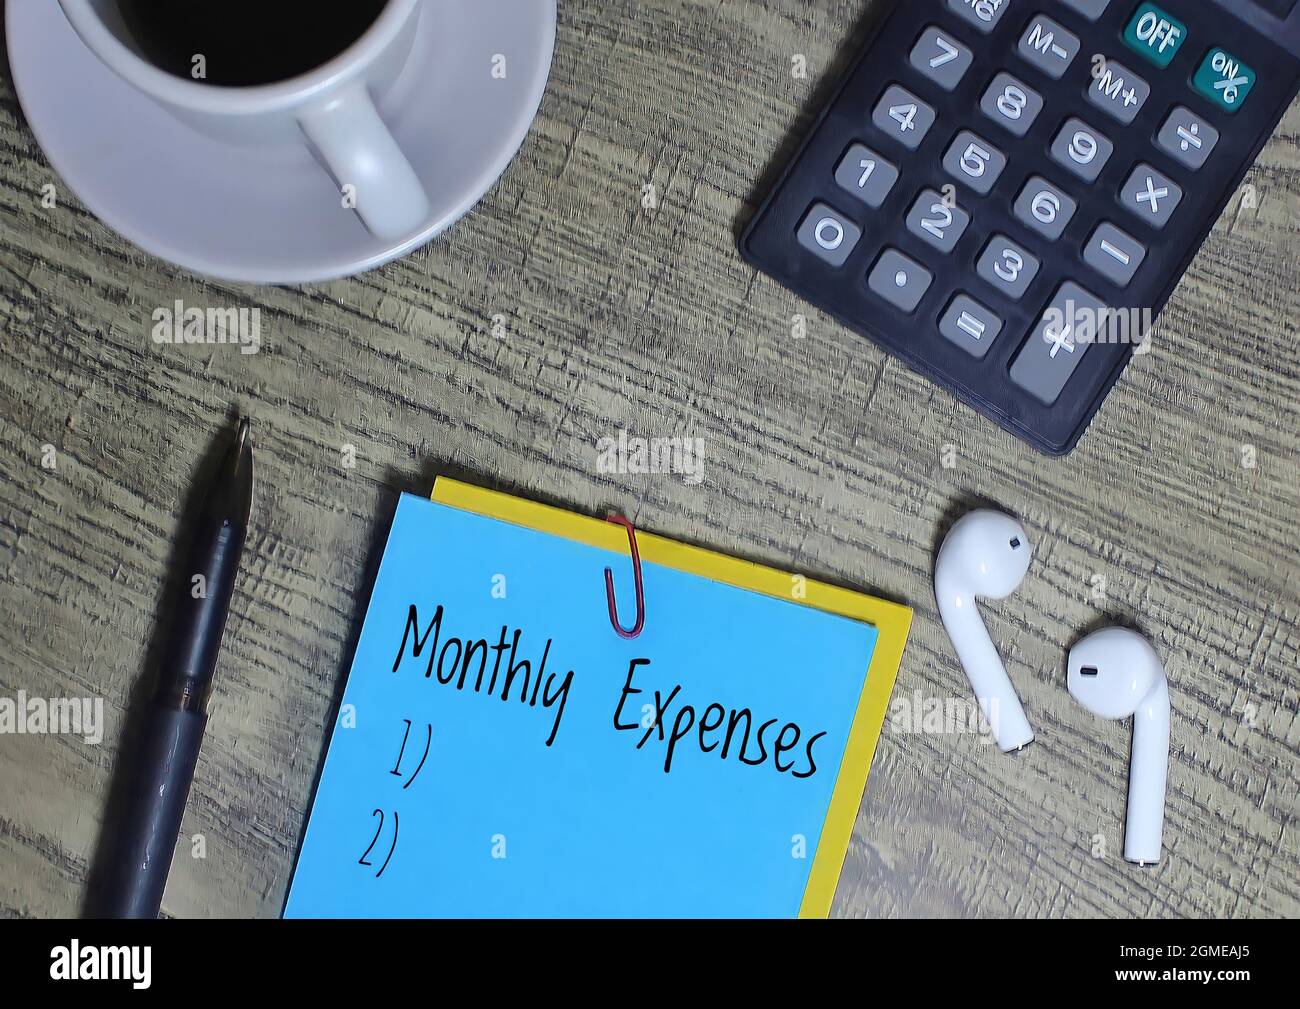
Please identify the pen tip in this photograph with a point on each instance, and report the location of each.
(243, 433)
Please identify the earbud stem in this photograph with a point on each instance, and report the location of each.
(979, 658)
(1148, 770)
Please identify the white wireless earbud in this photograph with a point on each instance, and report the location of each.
(984, 555)
(1115, 673)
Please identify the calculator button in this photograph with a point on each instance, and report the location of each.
(1151, 196)
(974, 161)
(866, 175)
(1056, 346)
(970, 325)
(903, 116)
(1045, 208)
(1007, 266)
(899, 280)
(941, 58)
(1012, 104)
(1049, 47)
(983, 14)
(1118, 91)
(1081, 149)
(933, 220)
(1155, 34)
(1115, 254)
(828, 234)
(1187, 137)
(1224, 79)
(1091, 9)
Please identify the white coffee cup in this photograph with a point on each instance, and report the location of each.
(330, 110)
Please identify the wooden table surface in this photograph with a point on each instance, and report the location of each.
(1178, 512)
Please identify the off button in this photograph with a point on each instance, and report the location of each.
(1155, 34)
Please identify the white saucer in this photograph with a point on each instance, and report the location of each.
(248, 215)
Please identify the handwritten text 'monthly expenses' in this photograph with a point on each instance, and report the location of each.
(497, 669)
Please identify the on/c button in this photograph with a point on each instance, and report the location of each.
(1155, 34)
(1224, 79)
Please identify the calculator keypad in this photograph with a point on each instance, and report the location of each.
(903, 116)
(1082, 149)
(1012, 104)
(1224, 80)
(1054, 351)
(983, 14)
(1113, 253)
(940, 57)
(1188, 138)
(973, 160)
(971, 326)
(1045, 208)
(1151, 196)
(1049, 47)
(1155, 34)
(1091, 9)
(900, 280)
(1118, 91)
(937, 222)
(828, 234)
(866, 175)
(1008, 267)
(999, 206)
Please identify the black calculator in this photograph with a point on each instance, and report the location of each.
(1004, 193)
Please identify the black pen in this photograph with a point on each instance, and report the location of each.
(178, 713)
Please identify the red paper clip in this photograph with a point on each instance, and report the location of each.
(636, 573)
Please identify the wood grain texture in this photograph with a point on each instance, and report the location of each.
(821, 455)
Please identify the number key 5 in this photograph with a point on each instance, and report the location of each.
(974, 161)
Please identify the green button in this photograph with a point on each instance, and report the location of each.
(1155, 34)
(1224, 79)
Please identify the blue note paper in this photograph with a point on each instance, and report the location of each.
(500, 752)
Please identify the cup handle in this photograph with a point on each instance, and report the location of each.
(358, 150)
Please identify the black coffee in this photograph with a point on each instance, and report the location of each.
(245, 42)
